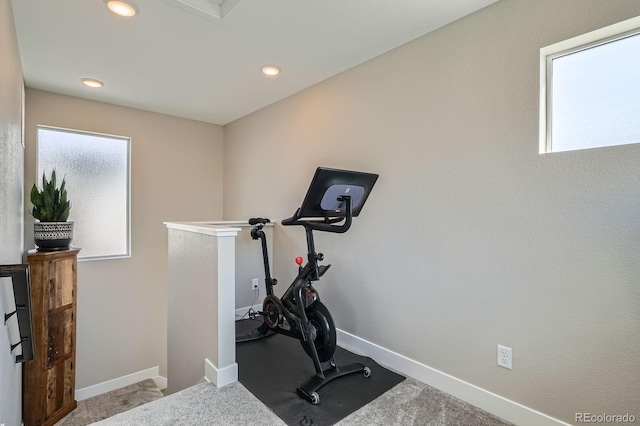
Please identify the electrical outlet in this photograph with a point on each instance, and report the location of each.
(505, 357)
(254, 284)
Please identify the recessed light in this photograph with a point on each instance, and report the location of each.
(270, 70)
(92, 82)
(122, 8)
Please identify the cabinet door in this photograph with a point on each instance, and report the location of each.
(60, 335)
(61, 284)
(60, 386)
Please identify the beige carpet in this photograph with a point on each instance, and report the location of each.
(201, 405)
(111, 403)
(411, 403)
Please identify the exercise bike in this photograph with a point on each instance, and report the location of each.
(333, 199)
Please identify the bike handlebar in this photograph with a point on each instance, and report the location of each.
(326, 224)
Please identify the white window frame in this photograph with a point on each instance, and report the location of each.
(128, 226)
(595, 38)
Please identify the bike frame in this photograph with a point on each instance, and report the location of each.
(292, 304)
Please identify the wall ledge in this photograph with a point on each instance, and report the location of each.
(207, 228)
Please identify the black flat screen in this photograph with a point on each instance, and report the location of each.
(329, 184)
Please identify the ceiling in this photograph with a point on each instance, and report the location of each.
(171, 60)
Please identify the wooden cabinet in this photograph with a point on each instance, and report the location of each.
(49, 379)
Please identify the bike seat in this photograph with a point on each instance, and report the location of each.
(258, 220)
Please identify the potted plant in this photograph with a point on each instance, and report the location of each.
(51, 209)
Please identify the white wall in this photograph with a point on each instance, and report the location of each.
(11, 181)
(176, 175)
(470, 238)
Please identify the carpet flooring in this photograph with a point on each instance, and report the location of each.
(410, 403)
(200, 405)
(108, 404)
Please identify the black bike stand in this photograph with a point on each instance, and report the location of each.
(309, 390)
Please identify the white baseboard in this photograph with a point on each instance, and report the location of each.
(120, 382)
(242, 311)
(220, 377)
(495, 404)
(161, 382)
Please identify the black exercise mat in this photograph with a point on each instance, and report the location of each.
(273, 368)
(247, 330)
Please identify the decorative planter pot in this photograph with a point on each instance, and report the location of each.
(50, 236)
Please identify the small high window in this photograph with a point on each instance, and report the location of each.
(96, 168)
(590, 90)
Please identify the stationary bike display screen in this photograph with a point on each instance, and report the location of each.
(328, 185)
(330, 201)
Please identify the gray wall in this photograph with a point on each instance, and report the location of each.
(470, 238)
(176, 175)
(11, 181)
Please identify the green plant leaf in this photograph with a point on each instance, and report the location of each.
(65, 214)
(50, 204)
(35, 197)
(47, 200)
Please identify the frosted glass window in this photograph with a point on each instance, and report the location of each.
(96, 169)
(593, 92)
